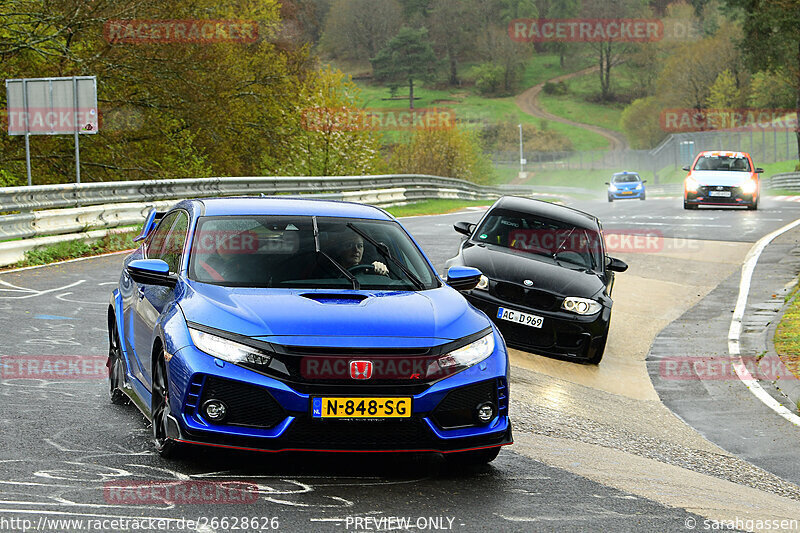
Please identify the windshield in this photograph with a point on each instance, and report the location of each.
(542, 238)
(307, 252)
(722, 162)
(625, 178)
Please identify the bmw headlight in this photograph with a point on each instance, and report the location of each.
(581, 306)
(226, 349)
(749, 187)
(691, 184)
(483, 284)
(468, 355)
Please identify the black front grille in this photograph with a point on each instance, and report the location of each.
(458, 407)
(358, 434)
(247, 405)
(706, 190)
(517, 294)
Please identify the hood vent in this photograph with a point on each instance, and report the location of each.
(333, 298)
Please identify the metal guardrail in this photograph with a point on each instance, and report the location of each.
(75, 195)
(788, 180)
(115, 204)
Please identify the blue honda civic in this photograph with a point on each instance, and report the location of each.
(287, 324)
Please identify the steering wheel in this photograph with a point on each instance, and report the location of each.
(355, 269)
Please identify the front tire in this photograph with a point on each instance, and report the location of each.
(116, 368)
(643, 196)
(473, 457)
(753, 206)
(165, 446)
(689, 206)
(610, 199)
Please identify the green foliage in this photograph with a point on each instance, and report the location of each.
(559, 88)
(453, 153)
(358, 29)
(407, 57)
(723, 93)
(488, 78)
(771, 90)
(7, 179)
(62, 251)
(640, 122)
(504, 137)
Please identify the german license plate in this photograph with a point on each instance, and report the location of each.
(725, 194)
(340, 407)
(518, 317)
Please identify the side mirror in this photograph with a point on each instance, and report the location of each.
(686, 168)
(463, 278)
(607, 183)
(151, 272)
(759, 170)
(644, 181)
(615, 265)
(465, 228)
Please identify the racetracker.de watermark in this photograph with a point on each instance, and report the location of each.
(199, 31)
(54, 367)
(179, 492)
(722, 368)
(741, 119)
(324, 119)
(46, 120)
(585, 30)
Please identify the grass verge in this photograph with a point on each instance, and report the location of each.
(434, 207)
(62, 251)
(787, 335)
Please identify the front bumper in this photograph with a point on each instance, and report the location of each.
(266, 414)
(709, 195)
(562, 334)
(625, 194)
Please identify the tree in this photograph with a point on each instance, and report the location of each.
(359, 29)
(405, 58)
(771, 40)
(497, 48)
(563, 9)
(724, 94)
(454, 40)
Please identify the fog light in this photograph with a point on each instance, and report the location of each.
(485, 412)
(215, 410)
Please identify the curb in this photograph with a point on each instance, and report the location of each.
(789, 386)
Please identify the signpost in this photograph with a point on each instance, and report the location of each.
(53, 106)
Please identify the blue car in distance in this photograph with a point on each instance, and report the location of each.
(286, 324)
(625, 185)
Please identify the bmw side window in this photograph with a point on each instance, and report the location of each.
(173, 245)
(157, 239)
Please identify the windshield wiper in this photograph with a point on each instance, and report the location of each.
(560, 246)
(414, 279)
(333, 261)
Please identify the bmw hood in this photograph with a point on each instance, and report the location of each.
(330, 318)
(720, 177)
(516, 267)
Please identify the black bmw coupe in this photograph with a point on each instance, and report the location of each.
(546, 277)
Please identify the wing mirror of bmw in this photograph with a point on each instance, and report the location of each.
(463, 278)
(464, 228)
(616, 265)
(151, 272)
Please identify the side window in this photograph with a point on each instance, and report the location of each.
(159, 236)
(175, 240)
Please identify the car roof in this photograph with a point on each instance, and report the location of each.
(548, 210)
(289, 206)
(723, 153)
(626, 173)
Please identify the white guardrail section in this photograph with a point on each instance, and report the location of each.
(788, 180)
(46, 214)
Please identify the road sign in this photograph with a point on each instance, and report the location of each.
(52, 106)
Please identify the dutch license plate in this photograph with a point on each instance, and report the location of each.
(725, 194)
(627, 192)
(339, 407)
(518, 317)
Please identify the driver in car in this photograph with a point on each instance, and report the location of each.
(349, 252)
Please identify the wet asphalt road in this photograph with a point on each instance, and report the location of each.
(66, 445)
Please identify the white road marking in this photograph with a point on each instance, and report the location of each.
(30, 293)
(736, 325)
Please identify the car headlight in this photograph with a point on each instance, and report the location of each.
(612, 188)
(468, 355)
(691, 184)
(749, 187)
(226, 349)
(581, 306)
(483, 284)
(639, 187)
